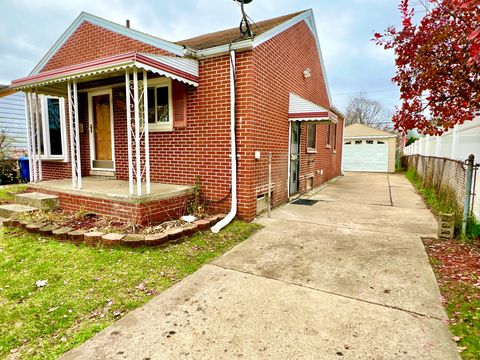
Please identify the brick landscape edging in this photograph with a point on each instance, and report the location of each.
(96, 238)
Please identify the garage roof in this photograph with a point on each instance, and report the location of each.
(361, 131)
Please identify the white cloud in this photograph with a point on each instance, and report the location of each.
(29, 27)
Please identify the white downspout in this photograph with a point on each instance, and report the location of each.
(233, 211)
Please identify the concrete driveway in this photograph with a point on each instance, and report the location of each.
(343, 278)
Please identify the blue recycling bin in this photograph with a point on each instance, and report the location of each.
(24, 168)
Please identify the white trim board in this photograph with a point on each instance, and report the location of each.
(109, 25)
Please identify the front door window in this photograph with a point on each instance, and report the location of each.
(294, 157)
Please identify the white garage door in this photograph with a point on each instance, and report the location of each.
(365, 155)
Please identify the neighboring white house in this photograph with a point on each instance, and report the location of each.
(12, 116)
(368, 149)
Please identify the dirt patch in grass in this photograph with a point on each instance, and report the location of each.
(76, 220)
(457, 268)
(91, 221)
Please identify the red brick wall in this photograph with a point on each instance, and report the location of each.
(279, 66)
(201, 150)
(90, 42)
(152, 212)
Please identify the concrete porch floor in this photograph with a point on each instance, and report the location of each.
(112, 189)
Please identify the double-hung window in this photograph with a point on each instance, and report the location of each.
(311, 137)
(328, 139)
(335, 129)
(53, 139)
(160, 109)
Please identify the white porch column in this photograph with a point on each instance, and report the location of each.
(138, 132)
(37, 126)
(129, 130)
(74, 135)
(146, 129)
(34, 139)
(30, 134)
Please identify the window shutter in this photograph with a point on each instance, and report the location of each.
(179, 97)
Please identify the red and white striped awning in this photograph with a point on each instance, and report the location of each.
(301, 109)
(177, 68)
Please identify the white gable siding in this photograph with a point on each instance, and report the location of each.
(12, 119)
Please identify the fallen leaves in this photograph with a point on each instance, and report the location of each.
(455, 262)
(457, 268)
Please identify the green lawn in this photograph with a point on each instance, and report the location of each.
(463, 308)
(87, 288)
(7, 193)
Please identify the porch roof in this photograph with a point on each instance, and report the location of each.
(301, 109)
(181, 69)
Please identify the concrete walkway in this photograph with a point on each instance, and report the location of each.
(344, 278)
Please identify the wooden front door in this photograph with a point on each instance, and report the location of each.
(101, 132)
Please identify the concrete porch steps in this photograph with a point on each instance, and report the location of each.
(9, 210)
(38, 200)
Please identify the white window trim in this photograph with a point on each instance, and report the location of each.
(162, 127)
(46, 134)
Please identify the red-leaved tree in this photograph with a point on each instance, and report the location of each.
(438, 64)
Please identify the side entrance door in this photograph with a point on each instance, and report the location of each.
(101, 131)
(294, 157)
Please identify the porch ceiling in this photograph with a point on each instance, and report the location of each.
(53, 82)
(111, 189)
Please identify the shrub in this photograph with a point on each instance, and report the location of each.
(8, 166)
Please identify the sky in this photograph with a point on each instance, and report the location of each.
(354, 64)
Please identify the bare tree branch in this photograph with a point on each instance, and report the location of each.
(362, 110)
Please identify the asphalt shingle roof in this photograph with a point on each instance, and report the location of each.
(224, 37)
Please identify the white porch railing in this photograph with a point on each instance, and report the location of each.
(137, 130)
(33, 121)
(74, 126)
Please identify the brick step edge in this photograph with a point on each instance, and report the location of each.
(94, 238)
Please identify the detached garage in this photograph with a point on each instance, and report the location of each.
(368, 149)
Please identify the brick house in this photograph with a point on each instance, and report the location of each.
(103, 153)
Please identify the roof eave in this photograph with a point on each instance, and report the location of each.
(224, 49)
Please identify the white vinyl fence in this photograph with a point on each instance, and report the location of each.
(456, 144)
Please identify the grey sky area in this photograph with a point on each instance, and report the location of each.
(28, 28)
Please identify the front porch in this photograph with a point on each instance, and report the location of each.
(110, 197)
(113, 106)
